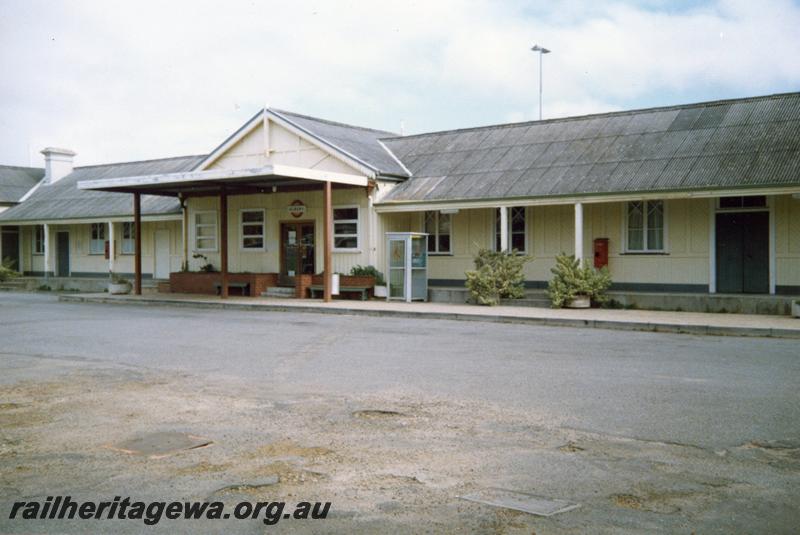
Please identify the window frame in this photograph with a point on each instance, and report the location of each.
(496, 229)
(646, 249)
(38, 240)
(215, 236)
(435, 235)
(263, 234)
(102, 240)
(131, 240)
(357, 221)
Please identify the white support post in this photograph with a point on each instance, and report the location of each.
(503, 228)
(579, 232)
(110, 247)
(46, 250)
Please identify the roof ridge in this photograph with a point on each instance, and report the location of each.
(334, 123)
(602, 114)
(142, 161)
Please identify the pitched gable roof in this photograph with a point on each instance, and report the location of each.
(15, 182)
(724, 144)
(361, 143)
(63, 200)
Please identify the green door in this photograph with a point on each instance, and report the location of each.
(743, 252)
(10, 246)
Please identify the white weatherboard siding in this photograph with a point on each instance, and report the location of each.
(551, 230)
(82, 263)
(276, 210)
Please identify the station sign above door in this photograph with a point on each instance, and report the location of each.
(296, 208)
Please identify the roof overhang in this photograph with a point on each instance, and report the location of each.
(552, 200)
(196, 183)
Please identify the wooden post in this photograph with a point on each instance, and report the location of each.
(328, 246)
(137, 257)
(223, 242)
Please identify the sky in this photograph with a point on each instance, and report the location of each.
(120, 81)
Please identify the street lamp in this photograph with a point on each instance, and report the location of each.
(542, 51)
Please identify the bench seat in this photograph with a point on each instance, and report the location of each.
(314, 288)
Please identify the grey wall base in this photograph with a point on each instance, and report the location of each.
(688, 302)
(77, 284)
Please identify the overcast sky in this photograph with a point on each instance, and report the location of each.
(118, 81)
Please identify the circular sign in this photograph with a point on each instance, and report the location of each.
(297, 208)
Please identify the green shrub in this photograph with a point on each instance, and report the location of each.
(7, 272)
(368, 271)
(497, 275)
(571, 280)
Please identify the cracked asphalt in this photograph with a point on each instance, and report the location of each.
(392, 419)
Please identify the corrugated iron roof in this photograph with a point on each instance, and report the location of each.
(722, 144)
(63, 199)
(15, 181)
(362, 143)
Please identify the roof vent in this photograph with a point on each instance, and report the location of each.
(57, 164)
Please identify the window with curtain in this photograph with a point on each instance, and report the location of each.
(438, 227)
(97, 241)
(645, 226)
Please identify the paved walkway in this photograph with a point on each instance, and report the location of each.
(633, 320)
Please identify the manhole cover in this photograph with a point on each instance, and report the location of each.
(161, 444)
(521, 501)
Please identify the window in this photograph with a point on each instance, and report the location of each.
(252, 225)
(437, 225)
(128, 238)
(646, 226)
(516, 229)
(38, 239)
(97, 242)
(756, 201)
(345, 227)
(205, 231)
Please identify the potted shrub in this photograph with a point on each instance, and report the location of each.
(576, 286)
(497, 275)
(371, 271)
(119, 285)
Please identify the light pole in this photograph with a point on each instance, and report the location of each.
(542, 51)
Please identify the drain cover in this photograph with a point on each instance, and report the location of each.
(161, 444)
(520, 501)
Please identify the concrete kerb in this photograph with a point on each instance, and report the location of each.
(714, 330)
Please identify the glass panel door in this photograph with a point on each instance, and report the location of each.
(397, 268)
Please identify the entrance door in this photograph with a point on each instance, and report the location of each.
(162, 255)
(743, 252)
(297, 250)
(10, 247)
(62, 254)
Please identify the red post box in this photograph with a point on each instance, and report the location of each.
(600, 252)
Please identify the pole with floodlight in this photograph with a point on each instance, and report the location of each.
(542, 51)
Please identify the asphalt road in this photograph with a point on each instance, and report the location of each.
(712, 392)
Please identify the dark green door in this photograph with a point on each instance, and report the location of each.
(62, 254)
(743, 252)
(10, 246)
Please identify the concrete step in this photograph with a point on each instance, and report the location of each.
(278, 291)
(14, 285)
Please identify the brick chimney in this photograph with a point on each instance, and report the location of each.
(57, 164)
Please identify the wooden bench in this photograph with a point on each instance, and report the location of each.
(244, 286)
(342, 289)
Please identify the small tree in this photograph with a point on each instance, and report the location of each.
(570, 280)
(7, 272)
(497, 275)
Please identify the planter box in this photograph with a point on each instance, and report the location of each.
(580, 301)
(121, 288)
(380, 291)
(203, 283)
(347, 280)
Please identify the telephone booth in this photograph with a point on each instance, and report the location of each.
(407, 263)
